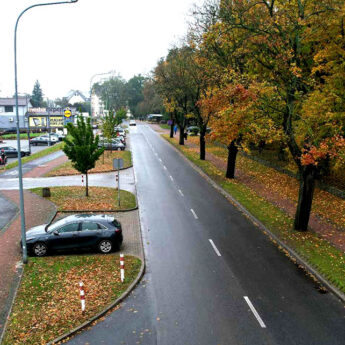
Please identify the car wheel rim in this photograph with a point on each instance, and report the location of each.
(105, 246)
(40, 249)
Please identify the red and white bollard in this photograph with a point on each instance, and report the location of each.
(122, 267)
(82, 296)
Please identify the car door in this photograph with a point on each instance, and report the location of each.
(11, 152)
(90, 233)
(65, 237)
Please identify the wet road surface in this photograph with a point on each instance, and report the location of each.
(212, 276)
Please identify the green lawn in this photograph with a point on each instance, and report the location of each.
(22, 136)
(47, 151)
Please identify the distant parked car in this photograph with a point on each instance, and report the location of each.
(100, 232)
(132, 123)
(193, 130)
(12, 152)
(114, 144)
(120, 131)
(44, 140)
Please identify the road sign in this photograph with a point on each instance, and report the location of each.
(67, 113)
(117, 163)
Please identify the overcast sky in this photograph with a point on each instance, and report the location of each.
(63, 46)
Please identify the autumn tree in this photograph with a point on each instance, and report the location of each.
(282, 42)
(172, 83)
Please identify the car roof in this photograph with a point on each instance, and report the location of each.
(89, 217)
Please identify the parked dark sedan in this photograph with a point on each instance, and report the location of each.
(100, 232)
(44, 140)
(11, 152)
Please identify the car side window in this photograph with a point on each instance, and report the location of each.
(89, 226)
(69, 228)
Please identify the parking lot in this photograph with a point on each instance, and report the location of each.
(24, 145)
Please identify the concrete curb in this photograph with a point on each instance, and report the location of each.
(21, 270)
(106, 310)
(11, 303)
(122, 297)
(92, 173)
(293, 255)
(79, 211)
(14, 217)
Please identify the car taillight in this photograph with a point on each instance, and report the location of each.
(118, 230)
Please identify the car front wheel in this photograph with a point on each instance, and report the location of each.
(40, 249)
(105, 246)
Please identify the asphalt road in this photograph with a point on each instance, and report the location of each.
(13, 173)
(24, 146)
(212, 276)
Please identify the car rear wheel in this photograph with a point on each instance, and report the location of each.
(105, 246)
(40, 249)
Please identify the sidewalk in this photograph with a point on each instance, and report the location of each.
(40, 211)
(37, 211)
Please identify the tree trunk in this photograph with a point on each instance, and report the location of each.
(181, 141)
(305, 197)
(86, 185)
(202, 145)
(232, 154)
(172, 129)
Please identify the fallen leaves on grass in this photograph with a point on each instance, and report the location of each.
(48, 301)
(101, 165)
(99, 199)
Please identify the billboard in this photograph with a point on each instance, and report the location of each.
(42, 121)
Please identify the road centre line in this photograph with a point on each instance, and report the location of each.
(256, 314)
(215, 248)
(180, 191)
(165, 168)
(171, 178)
(194, 214)
(160, 160)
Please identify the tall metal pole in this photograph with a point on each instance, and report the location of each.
(20, 172)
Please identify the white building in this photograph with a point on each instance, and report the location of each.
(8, 113)
(97, 106)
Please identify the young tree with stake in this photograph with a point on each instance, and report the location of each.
(81, 147)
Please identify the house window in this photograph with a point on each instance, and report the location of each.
(8, 108)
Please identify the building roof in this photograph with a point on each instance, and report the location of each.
(22, 101)
(73, 93)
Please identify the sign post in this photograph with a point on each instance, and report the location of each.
(118, 164)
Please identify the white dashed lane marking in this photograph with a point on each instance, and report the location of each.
(215, 248)
(194, 214)
(256, 314)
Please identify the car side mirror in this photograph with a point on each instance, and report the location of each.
(55, 232)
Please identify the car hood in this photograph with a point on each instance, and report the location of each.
(36, 231)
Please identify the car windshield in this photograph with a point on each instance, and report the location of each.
(56, 225)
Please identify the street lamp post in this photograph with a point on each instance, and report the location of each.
(20, 173)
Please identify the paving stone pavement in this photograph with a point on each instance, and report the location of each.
(37, 211)
(132, 242)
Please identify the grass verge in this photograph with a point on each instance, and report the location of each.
(22, 136)
(47, 151)
(48, 303)
(99, 199)
(328, 260)
(101, 165)
(164, 126)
